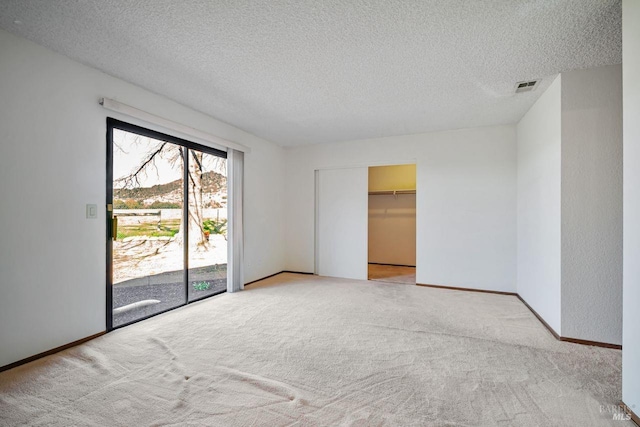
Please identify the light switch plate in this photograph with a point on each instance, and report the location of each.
(92, 211)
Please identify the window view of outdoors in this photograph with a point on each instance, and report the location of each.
(207, 224)
(149, 252)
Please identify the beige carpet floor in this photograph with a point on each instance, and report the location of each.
(299, 350)
(392, 273)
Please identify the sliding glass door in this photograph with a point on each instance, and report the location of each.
(167, 221)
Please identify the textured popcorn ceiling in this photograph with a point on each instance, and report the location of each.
(307, 71)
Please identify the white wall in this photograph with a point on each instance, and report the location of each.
(52, 162)
(539, 169)
(631, 133)
(592, 204)
(570, 205)
(466, 201)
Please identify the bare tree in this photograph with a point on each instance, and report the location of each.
(174, 155)
(196, 204)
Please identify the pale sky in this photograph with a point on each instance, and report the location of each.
(130, 150)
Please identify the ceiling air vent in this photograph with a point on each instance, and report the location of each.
(526, 86)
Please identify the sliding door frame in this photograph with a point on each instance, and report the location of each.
(185, 145)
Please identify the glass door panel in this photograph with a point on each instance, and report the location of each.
(207, 224)
(148, 251)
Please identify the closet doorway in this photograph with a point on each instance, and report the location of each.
(392, 224)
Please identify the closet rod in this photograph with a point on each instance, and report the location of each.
(391, 192)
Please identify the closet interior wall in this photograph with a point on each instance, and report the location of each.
(392, 215)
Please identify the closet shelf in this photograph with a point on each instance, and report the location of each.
(391, 192)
